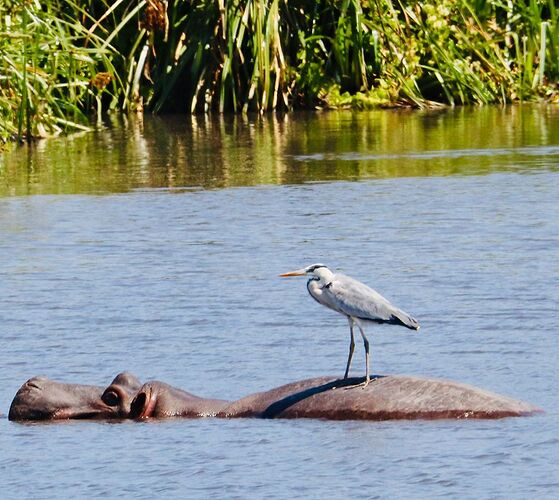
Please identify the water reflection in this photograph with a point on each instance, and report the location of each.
(222, 151)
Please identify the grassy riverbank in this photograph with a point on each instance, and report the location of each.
(63, 62)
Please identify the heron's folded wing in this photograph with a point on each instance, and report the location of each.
(358, 300)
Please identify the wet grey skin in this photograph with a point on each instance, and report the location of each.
(160, 400)
(43, 399)
(360, 304)
(393, 397)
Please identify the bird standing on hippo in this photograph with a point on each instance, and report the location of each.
(386, 398)
(359, 303)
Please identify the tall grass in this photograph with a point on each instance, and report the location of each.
(64, 61)
(49, 75)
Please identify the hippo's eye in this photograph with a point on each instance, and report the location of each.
(110, 398)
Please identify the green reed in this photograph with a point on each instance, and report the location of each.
(64, 61)
(48, 72)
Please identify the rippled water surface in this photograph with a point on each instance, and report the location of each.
(155, 246)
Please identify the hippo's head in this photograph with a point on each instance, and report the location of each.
(43, 399)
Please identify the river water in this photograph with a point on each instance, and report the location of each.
(154, 246)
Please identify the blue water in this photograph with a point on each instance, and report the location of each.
(181, 285)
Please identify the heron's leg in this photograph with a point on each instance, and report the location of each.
(366, 342)
(351, 347)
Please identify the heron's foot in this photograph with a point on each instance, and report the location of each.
(367, 380)
(357, 384)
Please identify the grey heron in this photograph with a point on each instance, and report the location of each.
(355, 300)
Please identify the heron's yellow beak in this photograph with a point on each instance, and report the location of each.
(299, 272)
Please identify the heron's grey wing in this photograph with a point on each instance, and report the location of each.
(358, 300)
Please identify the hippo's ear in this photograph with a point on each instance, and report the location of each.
(138, 405)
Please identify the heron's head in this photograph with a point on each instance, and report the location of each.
(314, 271)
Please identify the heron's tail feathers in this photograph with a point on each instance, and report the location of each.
(404, 319)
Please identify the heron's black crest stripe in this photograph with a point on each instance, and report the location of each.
(313, 268)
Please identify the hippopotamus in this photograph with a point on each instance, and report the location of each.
(43, 399)
(390, 397)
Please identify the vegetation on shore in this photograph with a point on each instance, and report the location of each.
(64, 62)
